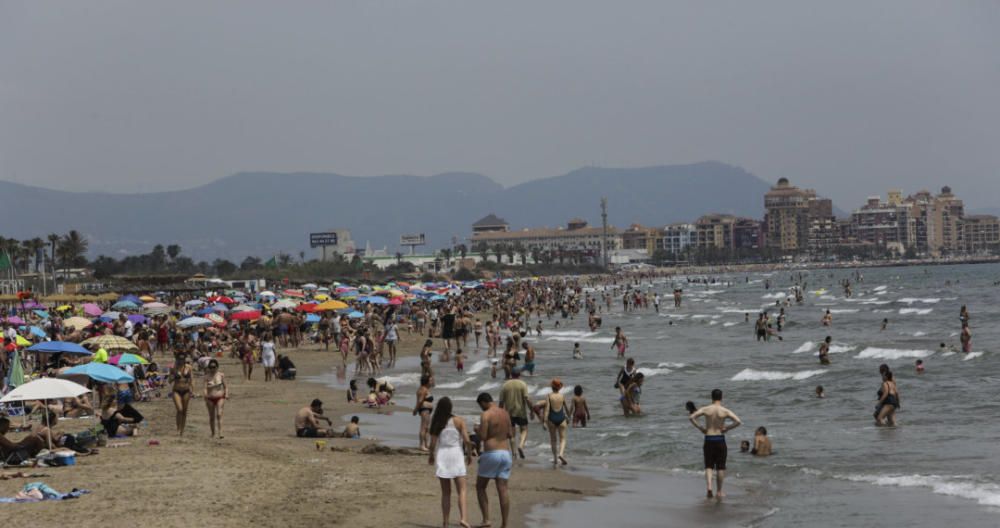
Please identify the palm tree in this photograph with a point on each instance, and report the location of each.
(284, 259)
(522, 252)
(302, 257)
(446, 255)
(399, 259)
(37, 245)
(53, 241)
(173, 250)
(73, 247)
(498, 250)
(463, 250)
(483, 249)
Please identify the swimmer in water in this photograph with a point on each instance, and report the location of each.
(761, 443)
(824, 351)
(577, 353)
(885, 323)
(920, 366)
(819, 392)
(827, 318)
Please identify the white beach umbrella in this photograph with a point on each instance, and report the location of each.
(45, 389)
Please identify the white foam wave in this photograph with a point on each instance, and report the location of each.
(828, 297)
(911, 300)
(883, 311)
(877, 302)
(730, 323)
(668, 364)
(650, 372)
(773, 375)
(736, 310)
(570, 333)
(917, 311)
(411, 378)
(777, 295)
(972, 355)
(891, 353)
(543, 391)
(478, 366)
(986, 494)
(806, 347)
(843, 310)
(569, 339)
(880, 288)
(455, 384)
(489, 386)
(947, 354)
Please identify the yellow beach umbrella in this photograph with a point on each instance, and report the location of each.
(330, 306)
(321, 297)
(147, 298)
(22, 342)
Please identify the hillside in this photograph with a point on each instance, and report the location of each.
(263, 213)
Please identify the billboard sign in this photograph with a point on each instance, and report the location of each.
(322, 239)
(412, 240)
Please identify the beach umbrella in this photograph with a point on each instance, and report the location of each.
(309, 286)
(128, 359)
(306, 307)
(155, 306)
(284, 304)
(243, 308)
(138, 319)
(37, 332)
(92, 310)
(355, 315)
(196, 302)
(42, 313)
(221, 299)
(147, 298)
(219, 308)
(110, 316)
(130, 298)
(20, 341)
(77, 323)
(298, 294)
(15, 320)
(396, 301)
(217, 319)
(64, 347)
(312, 318)
(204, 311)
(65, 307)
(45, 389)
(100, 372)
(321, 297)
(192, 322)
(250, 315)
(266, 293)
(329, 306)
(110, 342)
(125, 305)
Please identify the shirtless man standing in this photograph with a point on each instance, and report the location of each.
(495, 432)
(715, 441)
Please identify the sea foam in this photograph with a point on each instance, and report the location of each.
(773, 375)
(891, 353)
(917, 311)
(964, 487)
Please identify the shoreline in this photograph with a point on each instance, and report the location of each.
(260, 474)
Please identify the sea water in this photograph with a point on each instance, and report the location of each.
(831, 466)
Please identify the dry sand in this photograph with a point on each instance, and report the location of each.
(260, 474)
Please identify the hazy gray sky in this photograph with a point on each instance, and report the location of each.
(848, 97)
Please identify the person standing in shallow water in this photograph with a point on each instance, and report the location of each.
(714, 448)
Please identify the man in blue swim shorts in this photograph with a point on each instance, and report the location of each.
(495, 461)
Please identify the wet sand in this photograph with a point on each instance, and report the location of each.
(260, 474)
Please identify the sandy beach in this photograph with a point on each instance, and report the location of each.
(260, 474)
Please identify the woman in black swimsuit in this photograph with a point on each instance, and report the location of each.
(555, 421)
(182, 377)
(888, 401)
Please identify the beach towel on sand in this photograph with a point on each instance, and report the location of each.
(39, 491)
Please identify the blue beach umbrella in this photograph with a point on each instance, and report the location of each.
(59, 346)
(42, 313)
(101, 372)
(355, 315)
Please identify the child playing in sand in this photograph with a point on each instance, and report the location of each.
(579, 409)
(353, 430)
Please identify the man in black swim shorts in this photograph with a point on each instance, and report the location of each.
(714, 448)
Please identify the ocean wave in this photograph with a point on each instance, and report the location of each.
(774, 375)
(730, 323)
(911, 300)
(478, 366)
(650, 372)
(570, 333)
(882, 311)
(410, 378)
(805, 347)
(891, 353)
(843, 310)
(917, 311)
(777, 295)
(668, 364)
(604, 340)
(877, 302)
(455, 384)
(880, 288)
(972, 355)
(736, 310)
(489, 386)
(966, 487)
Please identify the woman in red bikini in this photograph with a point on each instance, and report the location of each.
(216, 394)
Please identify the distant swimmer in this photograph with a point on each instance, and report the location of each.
(577, 353)
(966, 338)
(827, 318)
(920, 366)
(761, 443)
(621, 342)
(820, 393)
(824, 351)
(630, 400)
(714, 448)
(885, 323)
(888, 402)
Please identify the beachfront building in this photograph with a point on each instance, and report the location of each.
(748, 233)
(577, 241)
(981, 234)
(677, 237)
(796, 220)
(938, 222)
(639, 237)
(490, 223)
(715, 231)
(889, 224)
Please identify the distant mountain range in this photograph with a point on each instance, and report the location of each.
(259, 213)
